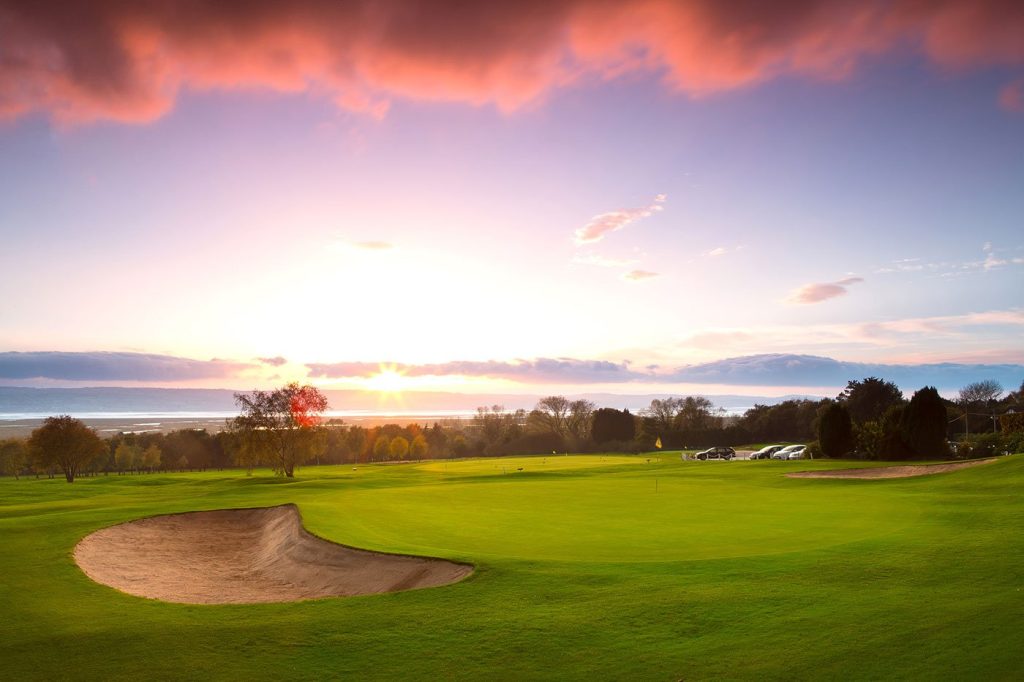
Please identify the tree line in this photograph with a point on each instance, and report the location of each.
(285, 428)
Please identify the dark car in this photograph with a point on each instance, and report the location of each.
(716, 453)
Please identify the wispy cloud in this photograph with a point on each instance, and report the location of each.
(276, 361)
(994, 259)
(816, 293)
(902, 265)
(603, 223)
(638, 275)
(723, 250)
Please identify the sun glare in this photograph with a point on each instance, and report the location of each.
(387, 380)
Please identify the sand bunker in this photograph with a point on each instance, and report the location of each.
(890, 472)
(244, 556)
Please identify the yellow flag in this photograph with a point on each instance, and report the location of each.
(657, 443)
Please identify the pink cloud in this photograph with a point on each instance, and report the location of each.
(637, 275)
(127, 61)
(1011, 97)
(602, 224)
(816, 293)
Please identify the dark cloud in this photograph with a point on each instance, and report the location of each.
(112, 367)
(811, 370)
(128, 59)
(753, 370)
(275, 361)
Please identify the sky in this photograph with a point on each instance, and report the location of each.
(512, 197)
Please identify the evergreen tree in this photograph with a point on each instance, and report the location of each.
(868, 399)
(835, 431)
(924, 425)
(610, 425)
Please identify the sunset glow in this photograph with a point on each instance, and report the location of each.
(635, 196)
(386, 381)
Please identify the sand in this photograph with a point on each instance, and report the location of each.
(891, 472)
(246, 556)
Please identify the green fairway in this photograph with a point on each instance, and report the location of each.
(588, 567)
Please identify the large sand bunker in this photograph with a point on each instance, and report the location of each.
(890, 472)
(244, 556)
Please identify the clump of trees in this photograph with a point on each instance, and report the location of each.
(130, 457)
(871, 420)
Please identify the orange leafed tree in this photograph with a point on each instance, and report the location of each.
(282, 426)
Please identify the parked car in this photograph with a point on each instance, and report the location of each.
(766, 452)
(798, 453)
(716, 453)
(787, 453)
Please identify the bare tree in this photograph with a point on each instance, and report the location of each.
(551, 415)
(495, 425)
(697, 413)
(661, 415)
(581, 414)
(980, 393)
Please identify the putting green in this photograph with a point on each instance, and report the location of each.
(619, 516)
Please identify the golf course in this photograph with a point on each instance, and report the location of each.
(585, 567)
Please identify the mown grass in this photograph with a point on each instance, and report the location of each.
(589, 567)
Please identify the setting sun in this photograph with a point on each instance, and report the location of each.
(388, 380)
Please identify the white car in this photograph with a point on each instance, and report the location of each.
(799, 452)
(791, 452)
(766, 452)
